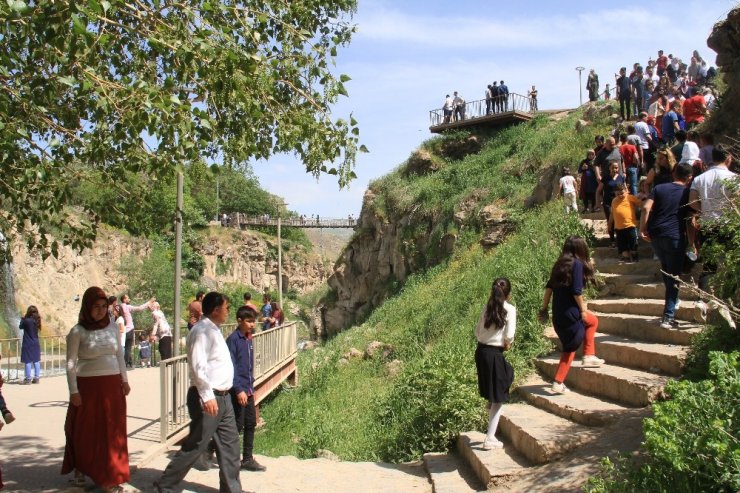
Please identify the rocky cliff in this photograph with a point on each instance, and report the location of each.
(387, 248)
(56, 285)
(725, 40)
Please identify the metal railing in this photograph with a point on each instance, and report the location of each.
(53, 357)
(237, 220)
(272, 348)
(485, 108)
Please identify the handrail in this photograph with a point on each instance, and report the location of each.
(483, 107)
(272, 348)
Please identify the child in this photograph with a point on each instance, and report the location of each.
(7, 415)
(495, 333)
(623, 218)
(145, 351)
(567, 190)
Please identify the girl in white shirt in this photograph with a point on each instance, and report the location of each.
(495, 333)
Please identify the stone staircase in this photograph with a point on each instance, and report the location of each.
(555, 442)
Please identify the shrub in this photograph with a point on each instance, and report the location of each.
(691, 444)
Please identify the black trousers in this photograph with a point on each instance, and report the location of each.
(222, 428)
(165, 347)
(625, 103)
(246, 420)
(127, 348)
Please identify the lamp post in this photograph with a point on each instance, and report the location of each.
(280, 205)
(580, 85)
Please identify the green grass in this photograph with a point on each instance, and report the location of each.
(356, 408)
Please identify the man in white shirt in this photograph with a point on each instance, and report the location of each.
(709, 197)
(209, 402)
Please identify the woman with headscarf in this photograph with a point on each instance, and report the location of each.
(95, 427)
(30, 349)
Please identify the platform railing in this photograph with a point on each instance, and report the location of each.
(272, 348)
(237, 220)
(53, 357)
(485, 108)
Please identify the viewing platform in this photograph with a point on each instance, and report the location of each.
(514, 109)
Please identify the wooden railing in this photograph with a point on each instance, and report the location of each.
(485, 108)
(272, 349)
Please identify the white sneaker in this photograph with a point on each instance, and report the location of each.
(591, 361)
(559, 388)
(492, 444)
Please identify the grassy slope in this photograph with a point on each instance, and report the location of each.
(356, 409)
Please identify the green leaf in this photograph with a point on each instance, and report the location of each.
(174, 99)
(345, 78)
(78, 27)
(363, 148)
(106, 5)
(69, 81)
(17, 5)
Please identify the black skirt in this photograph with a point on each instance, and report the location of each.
(495, 374)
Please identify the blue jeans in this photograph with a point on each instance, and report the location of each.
(37, 370)
(632, 178)
(670, 252)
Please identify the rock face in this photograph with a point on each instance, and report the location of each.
(385, 251)
(55, 286)
(249, 259)
(725, 40)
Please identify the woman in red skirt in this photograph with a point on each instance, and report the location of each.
(95, 427)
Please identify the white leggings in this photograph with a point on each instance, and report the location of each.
(494, 415)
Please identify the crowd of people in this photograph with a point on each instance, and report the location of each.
(652, 88)
(657, 180)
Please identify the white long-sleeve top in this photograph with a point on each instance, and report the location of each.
(209, 360)
(94, 353)
(161, 326)
(493, 336)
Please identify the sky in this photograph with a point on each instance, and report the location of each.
(408, 54)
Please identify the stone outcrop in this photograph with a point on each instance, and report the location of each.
(250, 259)
(725, 40)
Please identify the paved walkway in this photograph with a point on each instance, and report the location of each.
(32, 448)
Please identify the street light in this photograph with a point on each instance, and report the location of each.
(580, 85)
(280, 204)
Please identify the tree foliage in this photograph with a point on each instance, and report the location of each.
(113, 87)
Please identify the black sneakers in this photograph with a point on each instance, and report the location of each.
(252, 465)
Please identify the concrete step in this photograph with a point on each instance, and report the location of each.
(641, 328)
(654, 357)
(578, 407)
(449, 474)
(594, 216)
(644, 307)
(540, 436)
(638, 286)
(491, 466)
(623, 385)
(645, 250)
(612, 265)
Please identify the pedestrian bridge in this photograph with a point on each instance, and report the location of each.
(242, 221)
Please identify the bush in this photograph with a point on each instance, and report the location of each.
(691, 444)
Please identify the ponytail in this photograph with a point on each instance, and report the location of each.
(495, 313)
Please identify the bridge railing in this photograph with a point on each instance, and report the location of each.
(272, 348)
(237, 220)
(53, 357)
(482, 108)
